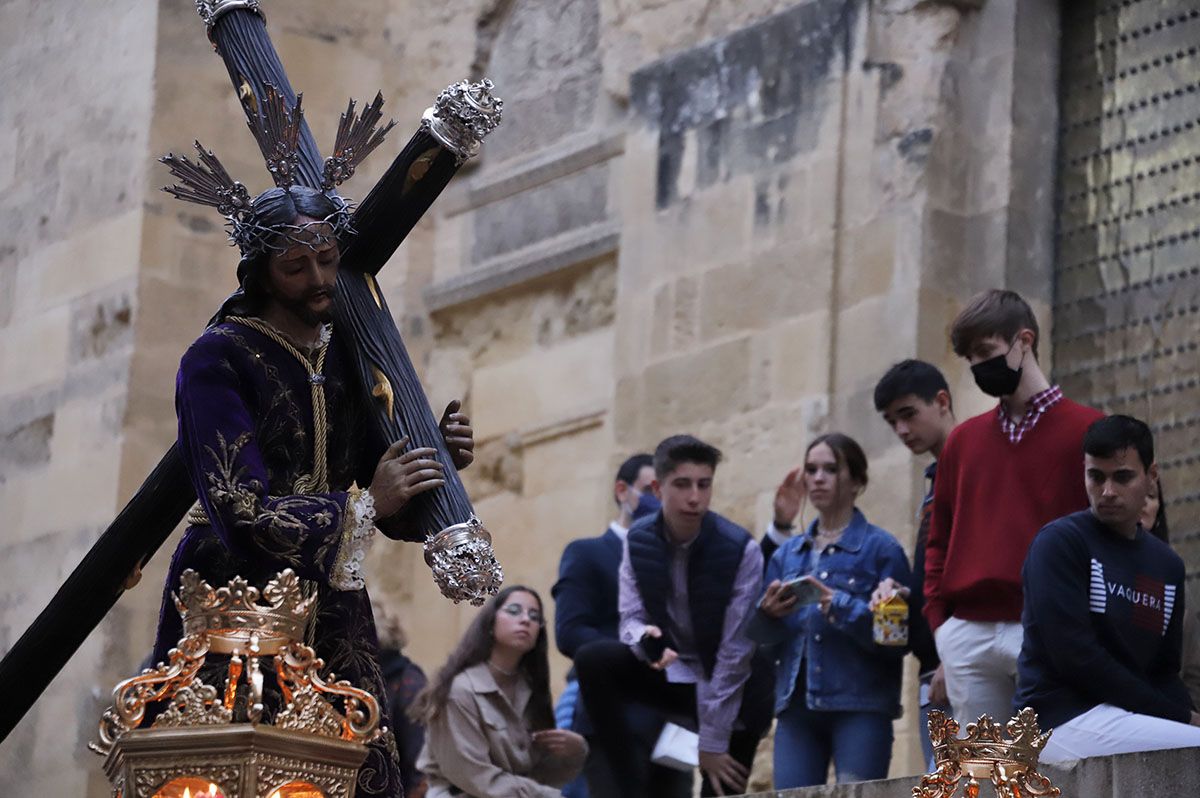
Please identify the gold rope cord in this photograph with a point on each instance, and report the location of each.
(318, 480)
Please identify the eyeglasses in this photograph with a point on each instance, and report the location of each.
(517, 610)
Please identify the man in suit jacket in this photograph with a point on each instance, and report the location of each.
(585, 609)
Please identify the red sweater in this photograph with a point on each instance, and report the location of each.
(990, 499)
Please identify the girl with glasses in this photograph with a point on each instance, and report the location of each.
(489, 717)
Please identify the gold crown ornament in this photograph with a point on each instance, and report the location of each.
(1009, 762)
(212, 740)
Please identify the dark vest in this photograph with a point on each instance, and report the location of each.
(713, 561)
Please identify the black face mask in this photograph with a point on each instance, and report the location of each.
(995, 377)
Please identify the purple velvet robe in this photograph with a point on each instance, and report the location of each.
(246, 432)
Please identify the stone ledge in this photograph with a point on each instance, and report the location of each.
(575, 154)
(511, 269)
(557, 428)
(1150, 774)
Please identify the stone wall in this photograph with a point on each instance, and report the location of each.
(74, 129)
(724, 217)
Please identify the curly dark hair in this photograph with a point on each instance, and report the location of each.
(474, 648)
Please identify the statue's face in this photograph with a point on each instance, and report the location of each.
(303, 278)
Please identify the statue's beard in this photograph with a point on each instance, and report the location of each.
(305, 312)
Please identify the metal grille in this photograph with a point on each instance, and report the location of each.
(1127, 278)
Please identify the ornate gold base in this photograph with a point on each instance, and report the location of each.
(242, 760)
(197, 747)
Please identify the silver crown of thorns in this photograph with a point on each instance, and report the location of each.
(276, 128)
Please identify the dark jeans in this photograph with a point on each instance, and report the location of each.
(611, 678)
(859, 743)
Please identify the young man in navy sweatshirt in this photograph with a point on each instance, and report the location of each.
(1002, 476)
(1103, 618)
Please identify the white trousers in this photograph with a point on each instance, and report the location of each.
(980, 660)
(1104, 730)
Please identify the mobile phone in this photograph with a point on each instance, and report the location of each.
(653, 647)
(805, 589)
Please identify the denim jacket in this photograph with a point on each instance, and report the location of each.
(847, 670)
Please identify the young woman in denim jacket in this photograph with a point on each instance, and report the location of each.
(836, 690)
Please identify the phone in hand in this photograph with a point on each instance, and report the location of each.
(653, 647)
(805, 588)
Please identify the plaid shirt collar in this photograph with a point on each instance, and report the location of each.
(1035, 408)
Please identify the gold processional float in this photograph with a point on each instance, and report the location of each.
(217, 742)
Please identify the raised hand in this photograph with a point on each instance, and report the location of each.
(458, 435)
(402, 475)
(788, 497)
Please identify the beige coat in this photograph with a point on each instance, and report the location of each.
(479, 745)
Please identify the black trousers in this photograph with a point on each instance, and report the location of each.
(611, 678)
(645, 723)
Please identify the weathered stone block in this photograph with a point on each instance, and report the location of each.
(662, 320)
(872, 335)
(800, 356)
(499, 466)
(92, 259)
(775, 285)
(572, 376)
(33, 351)
(576, 460)
(101, 325)
(545, 61)
(869, 265)
(570, 202)
(756, 101)
(711, 228)
(712, 383)
(449, 373)
(26, 445)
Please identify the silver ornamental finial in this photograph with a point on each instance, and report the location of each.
(212, 10)
(463, 114)
(463, 563)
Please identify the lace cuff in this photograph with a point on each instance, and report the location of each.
(358, 532)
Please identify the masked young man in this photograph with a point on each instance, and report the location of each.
(1002, 476)
(1104, 610)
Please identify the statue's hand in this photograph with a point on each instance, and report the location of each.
(400, 476)
(458, 435)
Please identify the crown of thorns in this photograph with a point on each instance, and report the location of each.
(276, 128)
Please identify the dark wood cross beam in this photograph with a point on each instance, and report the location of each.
(449, 134)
